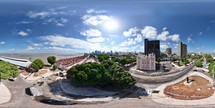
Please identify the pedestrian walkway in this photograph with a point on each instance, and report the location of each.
(5, 95)
(163, 99)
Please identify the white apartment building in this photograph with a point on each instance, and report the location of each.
(146, 62)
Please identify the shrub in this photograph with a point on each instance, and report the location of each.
(37, 64)
(8, 70)
(51, 59)
(54, 67)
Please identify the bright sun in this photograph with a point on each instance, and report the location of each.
(111, 25)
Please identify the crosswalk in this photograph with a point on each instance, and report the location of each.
(138, 90)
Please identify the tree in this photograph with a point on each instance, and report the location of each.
(51, 59)
(198, 64)
(8, 70)
(209, 58)
(95, 74)
(212, 68)
(54, 67)
(123, 61)
(162, 55)
(82, 77)
(103, 57)
(37, 64)
(35, 67)
(185, 60)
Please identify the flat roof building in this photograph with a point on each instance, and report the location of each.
(16, 61)
(182, 50)
(169, 51)
(152, 46)
(146, 62)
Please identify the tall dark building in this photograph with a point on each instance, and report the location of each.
(152, 47)
(182, 50)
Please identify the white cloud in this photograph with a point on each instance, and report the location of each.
(131, 32)
(24, 22)
(163, 46)
(176, 45)
(128, 42)
(12, 49)
(112, 43)
(29, 30)
(149, 32)
(36, 45)
(89, 11)
(29, 48)
(96, 39)
(91, 33)
(163, 36)
(41, 14)
(175, 37)
(64, 20)
(57, 49)
(95, 20)
(1, 43)
(165, 28)
(69, 42)
(189, 39)
(22, 33)
(59, 24)
(139, 38)
(200, 33)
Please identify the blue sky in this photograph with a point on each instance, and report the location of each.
(73, 26)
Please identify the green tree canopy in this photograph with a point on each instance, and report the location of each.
(198, 63)
(103, 57)
(212, 68)
(95, 74)
(37, 64)
(209, 58)
(51, 59)
(54, 67)
(8, 70)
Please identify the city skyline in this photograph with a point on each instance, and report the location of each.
(74, 27)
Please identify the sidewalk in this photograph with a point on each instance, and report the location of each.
(5, 95)
(163, 99)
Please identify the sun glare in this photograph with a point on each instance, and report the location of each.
(111, 25)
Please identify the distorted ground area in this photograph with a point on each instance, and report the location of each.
(197, 88)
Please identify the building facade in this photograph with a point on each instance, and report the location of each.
(169, 51)
(152, 47)
(146, 62)
(16, 61)
(182, 50)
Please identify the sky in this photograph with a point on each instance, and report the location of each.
(77, 26)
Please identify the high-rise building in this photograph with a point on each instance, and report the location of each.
(152, 47)
(169, 51)
(182, 50)
(146, 62)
